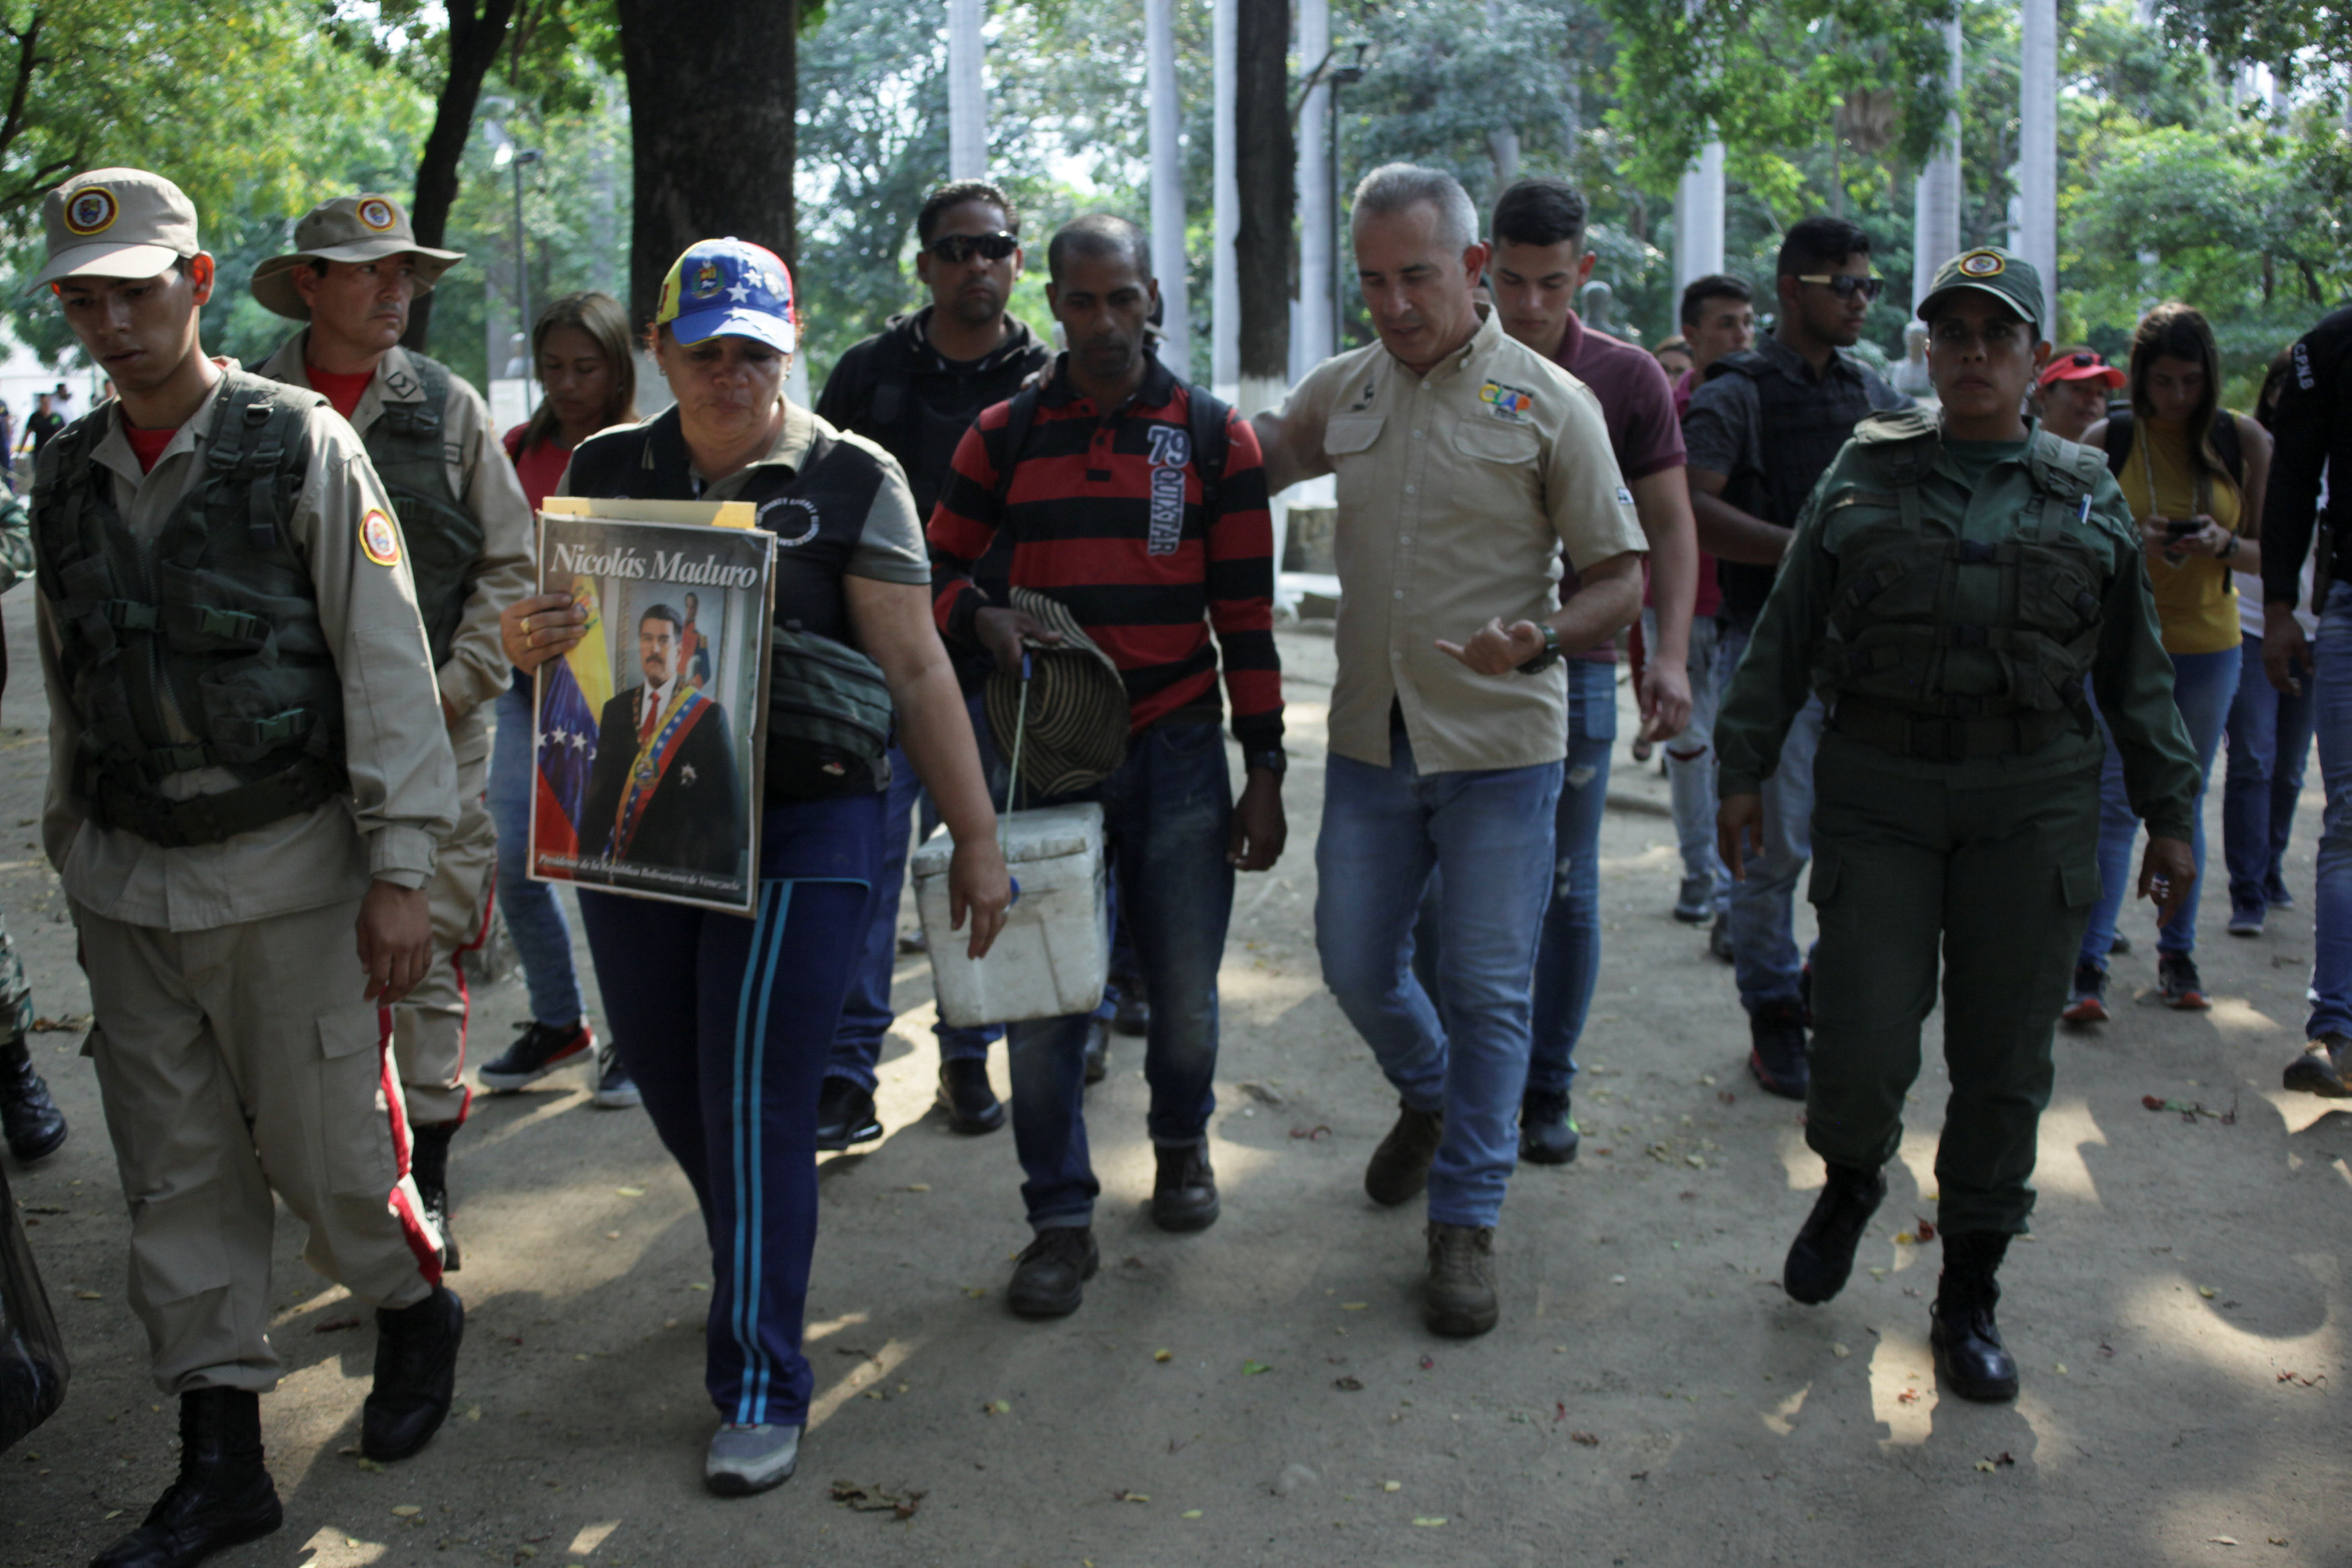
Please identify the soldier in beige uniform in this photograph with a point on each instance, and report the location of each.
(248, 768)
(354, 268)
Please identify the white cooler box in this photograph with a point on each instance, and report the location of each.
(1054, 954)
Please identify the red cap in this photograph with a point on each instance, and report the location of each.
(2083, 365)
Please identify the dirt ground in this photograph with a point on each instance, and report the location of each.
(1264, 1392)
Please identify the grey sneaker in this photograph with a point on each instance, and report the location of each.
(747, 1460)
(1459, 1298)
(1695, 905)
(616, 1090)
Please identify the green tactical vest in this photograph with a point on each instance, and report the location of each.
(406, 444)
(1899, 668)
(201, 648)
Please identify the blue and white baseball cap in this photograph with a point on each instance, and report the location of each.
(730, 286)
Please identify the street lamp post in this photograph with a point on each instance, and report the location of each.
(509, 155)
(1339, 75)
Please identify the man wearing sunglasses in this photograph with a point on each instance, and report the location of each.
(1760, 433)
(914, 389)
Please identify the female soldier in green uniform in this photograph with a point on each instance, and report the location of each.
(1952, 582)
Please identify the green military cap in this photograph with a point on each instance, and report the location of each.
(1988, 270)
(116, 222)
(365, 228)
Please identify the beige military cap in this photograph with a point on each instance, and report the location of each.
(349, 228)
(116, 222)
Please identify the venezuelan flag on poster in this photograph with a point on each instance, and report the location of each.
(573, 691)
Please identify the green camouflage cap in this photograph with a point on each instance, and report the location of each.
(1988, 270)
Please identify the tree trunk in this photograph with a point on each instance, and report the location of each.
(1266, 160)
(711, 108)
(477, 29)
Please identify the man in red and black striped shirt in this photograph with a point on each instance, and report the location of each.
(1106, 508)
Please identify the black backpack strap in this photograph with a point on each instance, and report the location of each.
(1020, 414)
(2119, 441)
(1206, 423)
(2228, 447)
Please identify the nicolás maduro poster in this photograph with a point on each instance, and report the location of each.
(648, 735)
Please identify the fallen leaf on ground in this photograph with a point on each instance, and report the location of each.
(1904, 1238)
(975, 1292)
(1311, 1134)
(1429, 1363)
(1130, 1497)
(1927, 1231)
(1252, 1368)
(87, 1296)
(1587, 1438)
(406, 1511)
(1259, 1092)
(1430, 1521)
(1908, 1396)
(630, 1191)
(1349, 1385)
(997, 1407)
(1353, 1306)
(916, 1186)
(1163, 1355)
(2208, 1291)
(65, 1025)
(1192, 1513)
(1840, 1351)
(2222, 1539)
(1392, 1486)
(877, 1499)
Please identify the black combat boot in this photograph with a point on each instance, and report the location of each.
(35, 1127)
(223, 1495)
(1184, 1189)
(1399, 1168)
(428, 1165)
(1970, 1360)
(416, 1375)
(1821, 1257)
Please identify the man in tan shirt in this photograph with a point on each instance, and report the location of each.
(1468, 464)
(247, 766)
(353, 271)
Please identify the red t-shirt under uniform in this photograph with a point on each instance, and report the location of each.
(342, 391)
(539, 466)
(1146, 570)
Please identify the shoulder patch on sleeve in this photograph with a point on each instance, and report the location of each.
(379, 537)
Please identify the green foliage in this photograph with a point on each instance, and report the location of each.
(2289, 36)
(1768, 75)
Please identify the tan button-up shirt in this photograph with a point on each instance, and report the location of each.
(1458, 491)
(484, 482)
(404, 781)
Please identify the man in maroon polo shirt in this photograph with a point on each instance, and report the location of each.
(1537, 264)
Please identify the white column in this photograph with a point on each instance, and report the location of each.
(1168, 258)
(1936, 199)
(1226, 294)
(1698, 217)
(966, 91)
(2037, 150)
(1310, 324)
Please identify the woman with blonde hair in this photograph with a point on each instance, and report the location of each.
(2192, 472)
(580, 353)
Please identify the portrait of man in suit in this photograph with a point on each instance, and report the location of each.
(663, 790)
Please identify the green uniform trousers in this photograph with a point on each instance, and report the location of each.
(430, 1025)
(2002, 876)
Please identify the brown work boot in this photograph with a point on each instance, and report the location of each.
(1459, 1296)
(1399, 1168)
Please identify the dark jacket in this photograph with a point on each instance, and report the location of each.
(2313, 430)
(897, 392)
(693, 821)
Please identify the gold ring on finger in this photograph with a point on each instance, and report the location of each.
(525, 625)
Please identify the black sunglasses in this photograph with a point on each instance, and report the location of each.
(1845, 286)
(957, 249)
(2085, 361)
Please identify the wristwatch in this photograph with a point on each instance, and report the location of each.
(2226, 552)
(1548, 658)
(1272, 761)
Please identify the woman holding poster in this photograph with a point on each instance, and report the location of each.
(757, 997)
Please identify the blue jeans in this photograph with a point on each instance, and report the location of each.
(723, 1022)
(543, 938)
(1167, 814)
(2330, 684)
(1763, 912)
(866, 1014)
(2202, 686)
(1489, 833)
(2270, 740)
(1567, 956)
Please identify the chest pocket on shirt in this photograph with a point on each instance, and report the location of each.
(1493, 441)
(1349, 433)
